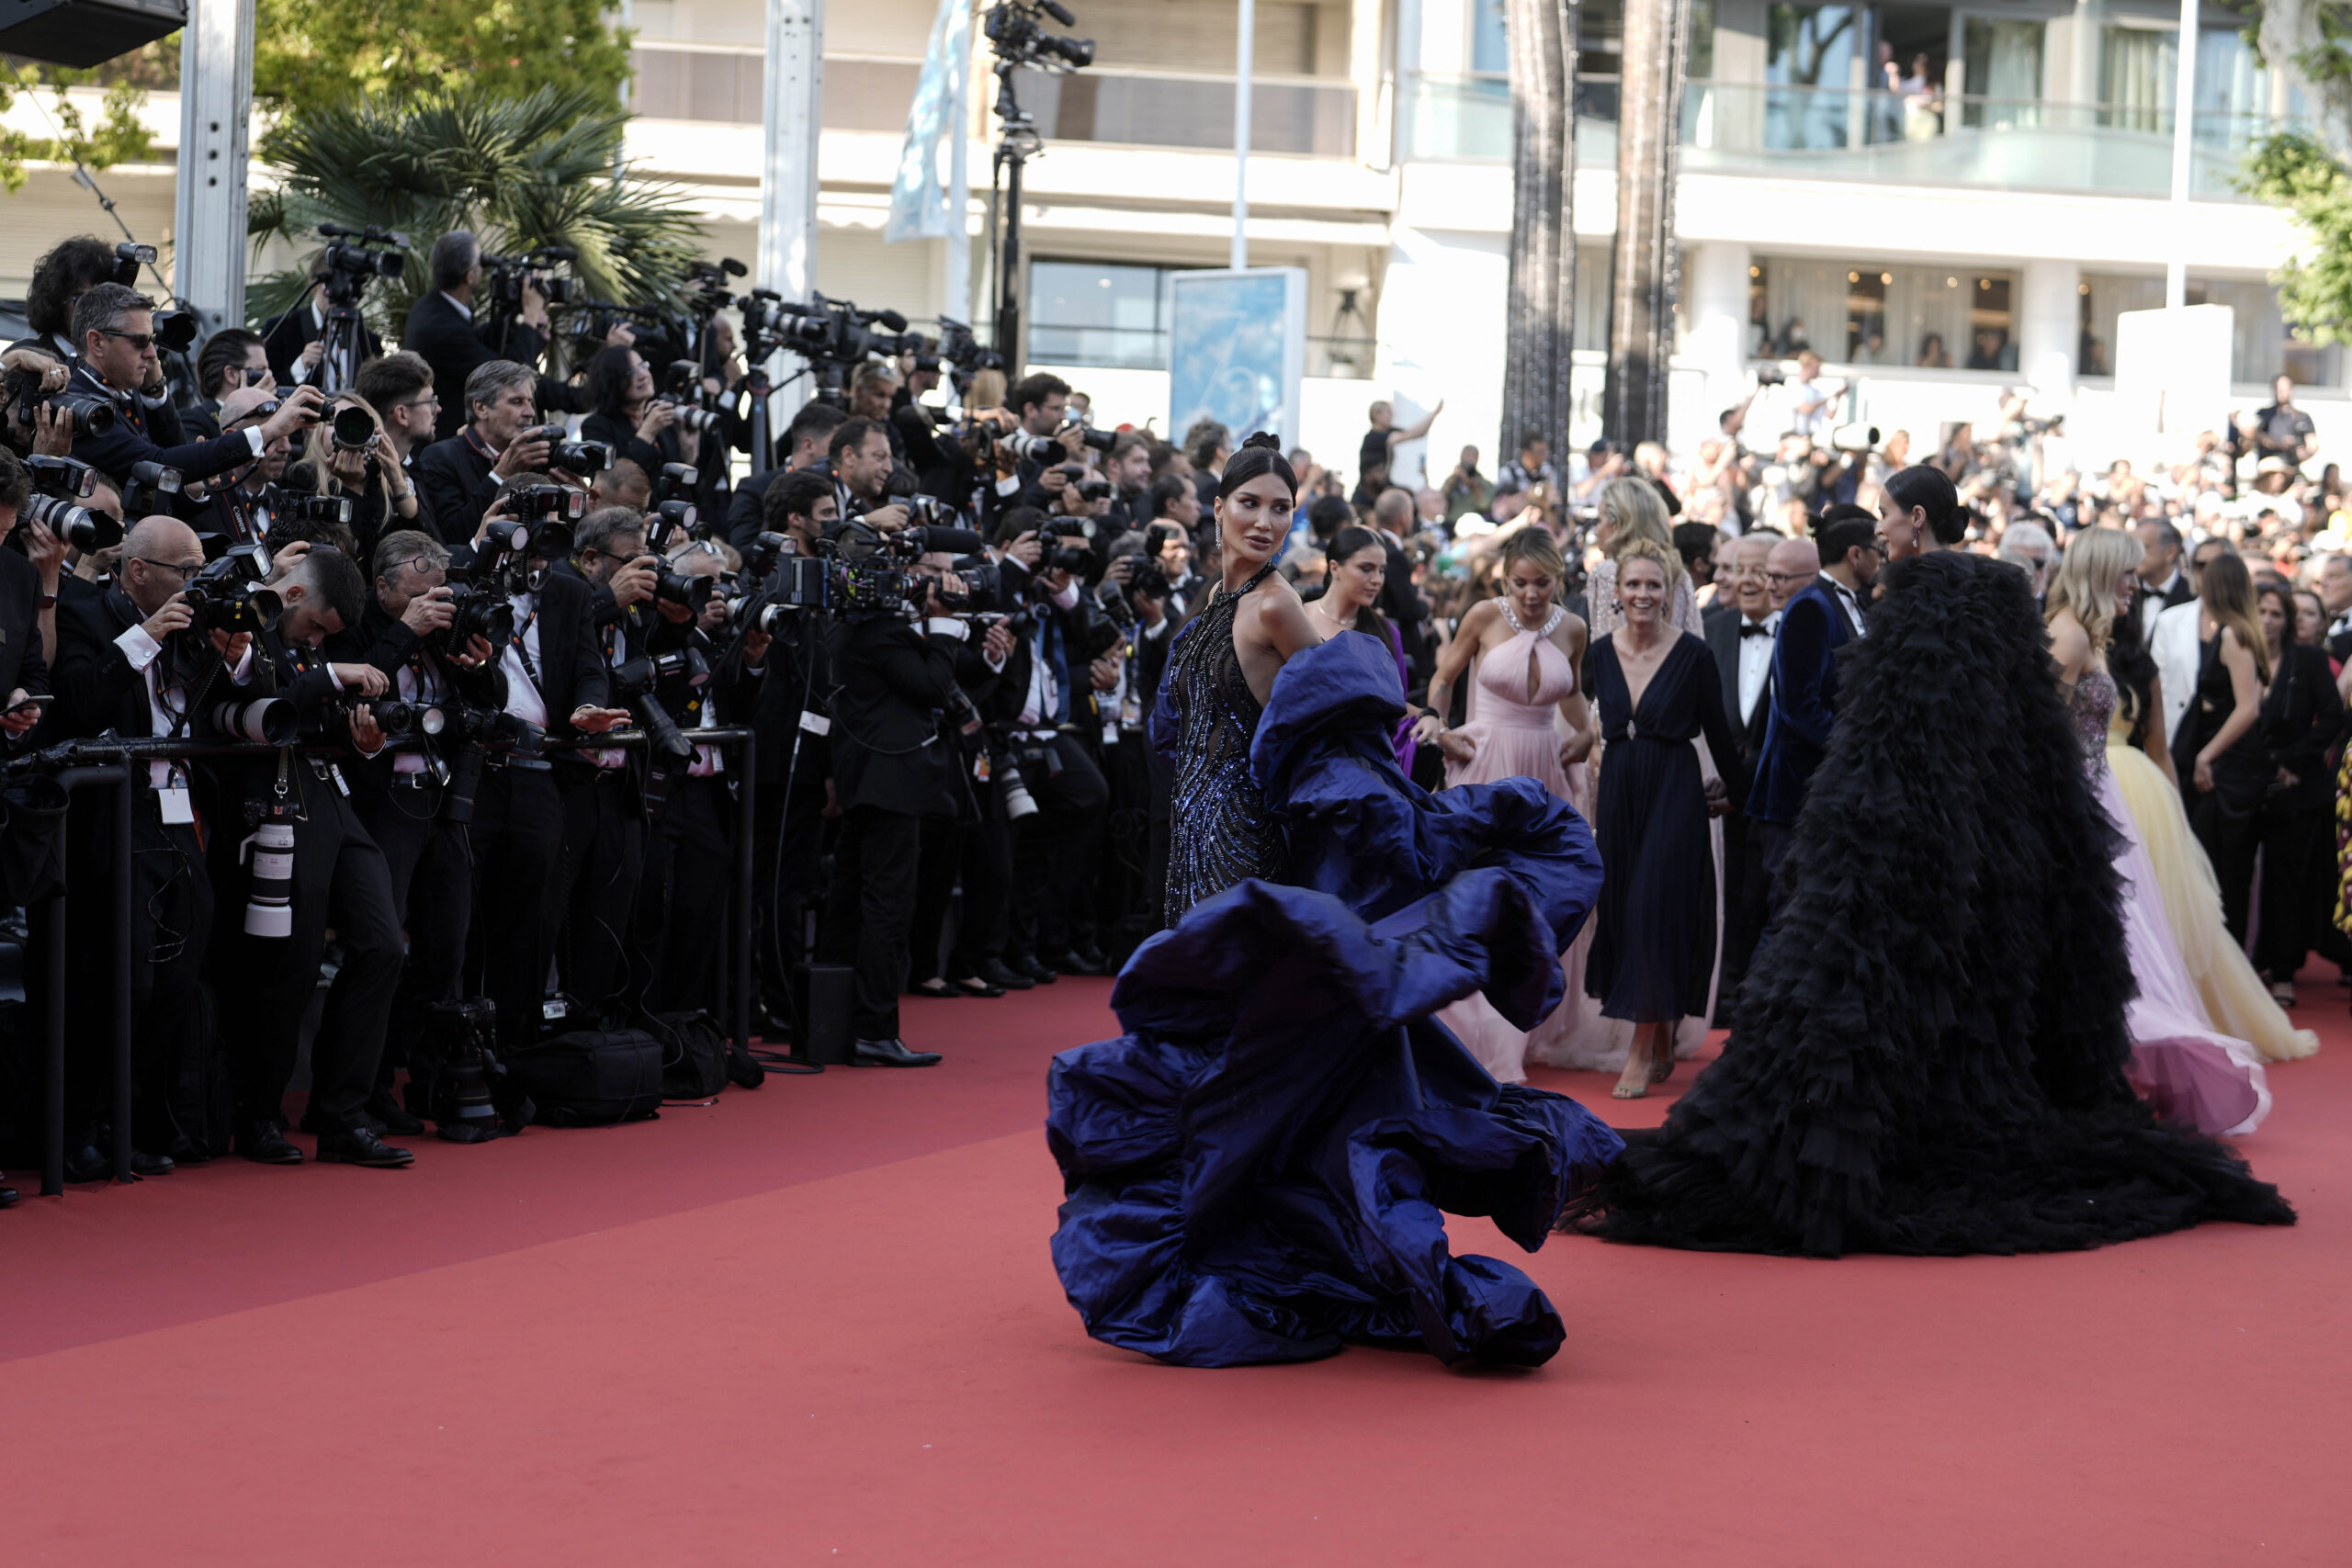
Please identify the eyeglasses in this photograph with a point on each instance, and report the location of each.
(185, 573)
(142, 342)
(1786, 576)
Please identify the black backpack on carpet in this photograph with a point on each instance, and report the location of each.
(590, 1077)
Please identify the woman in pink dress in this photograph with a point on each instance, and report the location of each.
(1527, 719)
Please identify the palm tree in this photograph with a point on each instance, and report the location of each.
(1540, 324)
(1644, 280)
(518, 172)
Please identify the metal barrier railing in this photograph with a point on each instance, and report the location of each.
(107, 762)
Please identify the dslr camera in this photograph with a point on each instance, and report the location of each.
(59, 484)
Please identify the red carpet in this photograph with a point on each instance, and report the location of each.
(817, 1323)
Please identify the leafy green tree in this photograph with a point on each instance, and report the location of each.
(116, 137)
(2295, 171)
(519, 172)
(311, 53)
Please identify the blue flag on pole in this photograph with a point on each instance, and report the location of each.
(919, 195)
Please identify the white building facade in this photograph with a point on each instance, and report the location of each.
(1943, 201)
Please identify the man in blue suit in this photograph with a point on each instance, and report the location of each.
(1822, 618)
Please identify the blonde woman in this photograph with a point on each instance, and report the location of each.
(1632, 509)
(1653, 961)
(1527, 719)
(342, 460)
(2179, 1062)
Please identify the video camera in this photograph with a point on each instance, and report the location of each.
(356, 258)
(1017, 29)
(509, 276)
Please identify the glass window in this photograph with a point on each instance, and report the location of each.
(1100, 313)
(2261, 344)
(1489, 45)
(2137, 70)
(1808, 54)
(1874, 313)
(2004, 73)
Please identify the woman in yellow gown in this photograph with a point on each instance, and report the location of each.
(2237, 1002)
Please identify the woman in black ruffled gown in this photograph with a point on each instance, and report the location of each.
(1929, 1051)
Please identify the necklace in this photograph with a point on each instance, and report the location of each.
(1551, 622)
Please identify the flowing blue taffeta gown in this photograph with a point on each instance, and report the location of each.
(1258, 1169)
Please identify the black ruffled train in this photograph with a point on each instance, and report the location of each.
(1929, 1051)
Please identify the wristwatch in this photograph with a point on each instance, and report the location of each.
(46, 602)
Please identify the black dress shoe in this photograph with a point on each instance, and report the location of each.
(1043, 974)
(85, 1164)
(892, 1054)
(1069, 964)
(263, 1144)
(393, 1116)
(996, 974)
(361, 1147)
(145, 1164)
(976, 987)
(1090, 959)
(937, 988)
(8, 1196)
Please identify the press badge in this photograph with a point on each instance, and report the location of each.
(815, 723)
(178, 807)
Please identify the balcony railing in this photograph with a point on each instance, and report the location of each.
(1836, 134)
(726, 84)
(1141, 108)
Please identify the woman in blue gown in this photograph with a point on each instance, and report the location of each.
(1258, 1169)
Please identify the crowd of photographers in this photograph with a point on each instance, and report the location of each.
(427, 629)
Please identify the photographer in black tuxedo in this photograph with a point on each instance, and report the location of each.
(893, 766)
(596, 880)
(555, 685)
(793, 753)
(444, 329)
(460, 478)
(114, 329)
(127, 661)
(401, 794)
(264, 982)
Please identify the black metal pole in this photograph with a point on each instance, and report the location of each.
(123, 892)
(1008, 311)
(53, 1154)
(747, 782)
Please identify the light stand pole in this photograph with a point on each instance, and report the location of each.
(1015, 146)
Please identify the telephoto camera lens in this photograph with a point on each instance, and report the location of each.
(1013, 789)
(85, 530)
(266, 721)
(581, 456)
(269, 909)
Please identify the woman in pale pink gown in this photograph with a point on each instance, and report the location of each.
(1527, 719)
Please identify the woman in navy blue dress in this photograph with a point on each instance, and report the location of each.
(1653, 947)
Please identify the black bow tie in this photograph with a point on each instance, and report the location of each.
(1753, 629)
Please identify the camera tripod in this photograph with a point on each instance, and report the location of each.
(345, 341)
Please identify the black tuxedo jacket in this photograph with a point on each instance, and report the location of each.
(143, 435)
(1722, 641)
(391, 646)
(888, 751)
(285, 339)
(438, 330)
(21, 664)
(455, 486)
(571, 664)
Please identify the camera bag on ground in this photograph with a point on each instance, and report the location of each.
(693, 1065)
(590, 1077)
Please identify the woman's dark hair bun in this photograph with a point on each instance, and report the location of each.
(1262, 454)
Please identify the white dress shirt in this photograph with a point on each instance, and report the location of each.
(1756, 664)
(523, 699)
(1851, 602)
(168, 701)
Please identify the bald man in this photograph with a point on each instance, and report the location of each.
(1791, 565)
(128, 660)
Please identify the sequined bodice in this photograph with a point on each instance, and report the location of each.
(2091, 703)
(1221, 828)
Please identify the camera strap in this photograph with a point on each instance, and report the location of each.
(524, 654)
